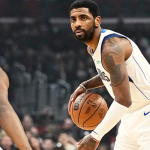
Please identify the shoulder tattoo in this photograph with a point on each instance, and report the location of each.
(113, 43)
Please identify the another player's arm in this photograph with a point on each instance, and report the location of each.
(9, 120)
(113, 59)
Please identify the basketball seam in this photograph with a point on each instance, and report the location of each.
(82, 106)
(93, 113)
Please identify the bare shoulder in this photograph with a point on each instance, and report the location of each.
(113, 60)
(120, 47)
(4, 81)
(112, 50)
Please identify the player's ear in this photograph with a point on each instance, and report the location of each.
(97, 21)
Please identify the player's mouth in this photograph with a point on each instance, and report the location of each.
(79, 32)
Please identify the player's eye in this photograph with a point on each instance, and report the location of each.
(84, 18)
(72, 20)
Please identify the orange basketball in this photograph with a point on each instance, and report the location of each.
(88, 110)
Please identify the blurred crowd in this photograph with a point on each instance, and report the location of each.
(57, 54)
(54, 51)
(36, 8)
(52, 136)
(39, 47)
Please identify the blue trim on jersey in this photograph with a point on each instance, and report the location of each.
(95, 132)
(138, 88)
(108, 37)
(91, 51)
(104, 30)
(130, 80)
(141, 70)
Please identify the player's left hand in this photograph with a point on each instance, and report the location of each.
(87, 143)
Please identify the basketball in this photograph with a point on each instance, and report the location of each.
(88, 110)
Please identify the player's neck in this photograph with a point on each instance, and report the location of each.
(94, 42)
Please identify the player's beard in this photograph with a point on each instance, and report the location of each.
(88, 34)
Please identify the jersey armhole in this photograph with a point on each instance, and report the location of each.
(130, 57)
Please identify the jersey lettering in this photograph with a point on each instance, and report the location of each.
(102, 75)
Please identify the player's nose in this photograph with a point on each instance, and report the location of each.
(78, 24)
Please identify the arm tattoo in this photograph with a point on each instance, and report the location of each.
(113, 43)
(123, 39)
(116, 76)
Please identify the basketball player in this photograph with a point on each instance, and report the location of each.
(9, 121)
(123, 70)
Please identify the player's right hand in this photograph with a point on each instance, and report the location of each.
(87, 143)
(74, 95)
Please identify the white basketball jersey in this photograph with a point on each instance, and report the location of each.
(137, 67)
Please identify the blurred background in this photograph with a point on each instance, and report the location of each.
(45, 64)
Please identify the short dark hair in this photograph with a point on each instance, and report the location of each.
(90, 4)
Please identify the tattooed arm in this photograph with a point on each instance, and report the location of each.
(115, 52)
